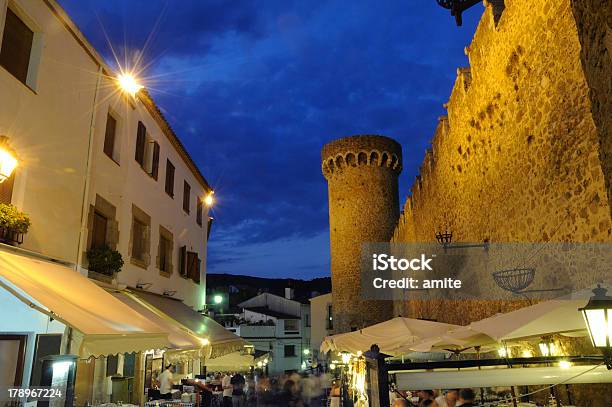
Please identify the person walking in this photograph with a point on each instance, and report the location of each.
(227, 387)
(448, 399)
(237, 381)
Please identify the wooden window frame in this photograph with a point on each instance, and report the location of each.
(17, 73)
(139, 216)
(169, 180)
(165, 234)
(186, 197)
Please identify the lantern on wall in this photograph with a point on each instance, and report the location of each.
(598, 317)
(8, 159)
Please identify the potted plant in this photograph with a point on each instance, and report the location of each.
(13, 224)
(104, 260)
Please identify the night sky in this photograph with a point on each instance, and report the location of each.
(255, 88)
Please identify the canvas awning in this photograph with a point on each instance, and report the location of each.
(391, 336)
(217, 340)
(103, 324)
(558, 316)
(179, 337)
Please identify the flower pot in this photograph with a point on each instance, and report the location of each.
(10, 237)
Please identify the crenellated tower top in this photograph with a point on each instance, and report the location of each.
(360, 150)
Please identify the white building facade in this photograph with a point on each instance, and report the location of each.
(97, 167)
(280, 326)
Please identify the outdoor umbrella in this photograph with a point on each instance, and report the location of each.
(391, 336)
(559, 316)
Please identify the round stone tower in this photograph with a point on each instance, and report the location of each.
(361, 173)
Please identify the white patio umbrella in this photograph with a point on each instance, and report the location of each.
(558, 316)
(391, 336)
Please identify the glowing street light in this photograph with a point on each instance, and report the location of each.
(218, 299)
(209, 199)
(129, 84)
(306, 351)
(8, 162)
(598, 317)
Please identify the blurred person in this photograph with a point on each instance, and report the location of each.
(165, 381)
(227, 388)
(448, 399)
(425, 395)
(466, 398)
(237, 381)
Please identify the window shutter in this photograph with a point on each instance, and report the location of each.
(16, 46)
(183, 261)
(155, 163)
(199, 211)
(169, 178)
(109, 135)
(186, 196)
(6, 189)
(141, 138)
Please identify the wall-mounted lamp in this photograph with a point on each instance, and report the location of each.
(8, 159)
(128, 83)
(209, 199)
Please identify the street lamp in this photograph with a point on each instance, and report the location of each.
(8, 162)
(209, 199)
(128, 83)
(598, 317)
(217, 299)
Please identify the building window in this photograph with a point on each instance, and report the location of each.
(164, 253)
(186, 196)
(154, 160)
(16, 46)
(291, 325)
(169, 178)
(140, 239)
(199, 211)
(189, 264)
(330, 320)
(109, 137)
(99, 231)
(102, 226)
(141, 140)
(289, 351)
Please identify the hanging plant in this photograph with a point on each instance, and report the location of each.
(104, 260)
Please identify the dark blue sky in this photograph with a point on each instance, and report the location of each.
(255, 88)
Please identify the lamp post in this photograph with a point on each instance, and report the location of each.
(598, 317)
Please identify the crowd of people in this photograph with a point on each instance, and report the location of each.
(234, 389)
(428, 398)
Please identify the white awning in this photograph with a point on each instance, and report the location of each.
(559, 316)
(218, 341)
(105, 325)
(391, 336)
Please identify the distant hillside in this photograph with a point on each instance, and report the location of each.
(250, 286)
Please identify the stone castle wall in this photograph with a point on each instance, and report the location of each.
(361, 172)
(518, 158)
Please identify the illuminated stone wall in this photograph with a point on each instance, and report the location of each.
(518, 158)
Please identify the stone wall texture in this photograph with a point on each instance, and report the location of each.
(525, 152)
(361, 172)
(519, 157)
